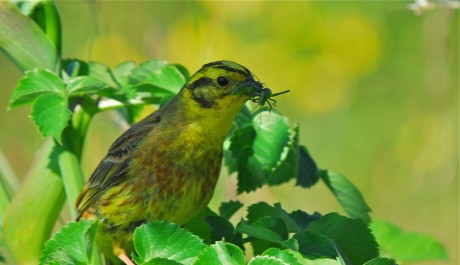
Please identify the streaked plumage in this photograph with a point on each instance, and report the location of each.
(166, 166)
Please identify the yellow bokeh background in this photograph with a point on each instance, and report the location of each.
(374, 88)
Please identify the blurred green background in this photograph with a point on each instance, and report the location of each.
(374, 87)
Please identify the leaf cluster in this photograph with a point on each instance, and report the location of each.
(262, 148)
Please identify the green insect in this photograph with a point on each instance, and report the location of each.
(260, 94)
(265, 95)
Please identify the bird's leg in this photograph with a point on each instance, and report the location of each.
(126, 260)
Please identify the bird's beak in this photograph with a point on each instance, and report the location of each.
(250, 88)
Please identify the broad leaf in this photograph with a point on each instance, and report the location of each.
(158, 73)
(51, 114)
(347, 194)
(315, 245)
(166, 240)
(221, 253)
(406, 246)
(34, 84)
(23, 40)
(273, 136)
(307, 174)
(83, 85)
(353, 238)
(283, 255)
(266, 260)
(381, 261)
(228, 209)
(222, 229)
(72, 245)
(263, 209)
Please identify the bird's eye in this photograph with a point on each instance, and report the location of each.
(222, 81)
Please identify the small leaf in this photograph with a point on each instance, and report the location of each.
(287, 167)
(352, 236)
(228, 209)
(158, 73)
(265, 260)
(82, 85)
(347, 194)
(34, 84)
(241, 145)
(198, 225)
(315, 245)
(263, 209)
(122, 72)
(51, 114)
(166, 240)
(221, 253)
(222, 229)
(302, 218)
(75, 67)
(283, 255)
(72, 245)
(101, 72)
(307, 175)
(381, 261)
(159, 261)
(406, 246)
(258, 232)
(273, 135)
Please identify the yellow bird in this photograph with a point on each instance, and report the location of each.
(166, 166)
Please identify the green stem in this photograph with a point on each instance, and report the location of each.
(72, 177)
(70, 153)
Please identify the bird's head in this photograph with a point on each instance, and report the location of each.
(220, 86)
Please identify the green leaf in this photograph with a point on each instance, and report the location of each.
(406, 246)
(302, 219)
(221, 253)
(160, 261)
(41, 194)
(241, 145)
(101, 72)
(308, 174)
(287, 167)
(263, 209)
(34, 84)
(315, 245)
(284, 255)
(73, 243)
(122, 71)
(272, 138)
(222, 229)
(82, 85)
(158, 73)
(23, 40)
(353, 238)
(265, 260)
(166, 240)
(381, 261)
(51, 114)
(198, 225)
(347, 194)
(228, 209)
(258, 232)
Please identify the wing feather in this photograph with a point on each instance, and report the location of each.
(113, 169)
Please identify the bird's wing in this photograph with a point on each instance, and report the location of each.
(113, 168)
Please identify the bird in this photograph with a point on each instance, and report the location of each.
(166, 166)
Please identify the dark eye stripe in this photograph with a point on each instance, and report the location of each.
(203, 81)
